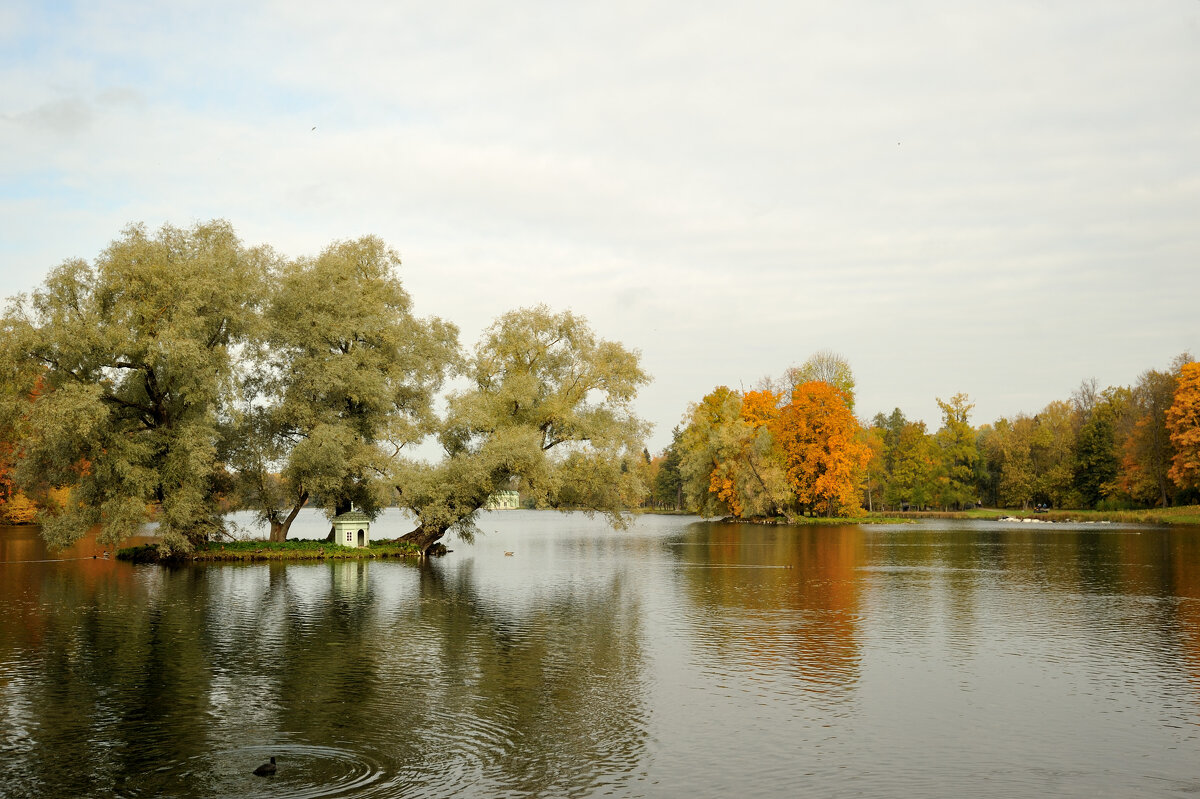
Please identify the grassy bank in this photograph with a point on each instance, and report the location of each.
(821, 520)
(1185, 514)
(985, 514)
(243, 551)
(870, 518)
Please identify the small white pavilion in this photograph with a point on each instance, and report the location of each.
(352, 529)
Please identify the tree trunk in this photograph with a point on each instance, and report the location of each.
(279, 529)
(424, 537)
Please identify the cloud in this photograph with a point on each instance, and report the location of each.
(955, 198)
(66, 117)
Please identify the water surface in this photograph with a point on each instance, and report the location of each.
(678, 658)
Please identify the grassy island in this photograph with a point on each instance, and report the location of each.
(257, 550)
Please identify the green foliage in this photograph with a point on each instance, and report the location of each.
(890, 427)
(1018, 483)
(702, 449)
(914, 461)
(547, 411)
(181, 352)
(1114, 504)
(712, 443)
(956, 441)
(1028, 460)
(668, 482)
(883, 437)
(136, 354)
(1096, 459)
(1052, 451)
(344, 378)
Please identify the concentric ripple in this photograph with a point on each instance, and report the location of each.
(305, 772)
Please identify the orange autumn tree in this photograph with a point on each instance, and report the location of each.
(821, 445)
(1183, 425)
(760, 407)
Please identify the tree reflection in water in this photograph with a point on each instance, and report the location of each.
(674, 658)
(797, 613)
(382, 678)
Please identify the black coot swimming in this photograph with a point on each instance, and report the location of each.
(266, 769)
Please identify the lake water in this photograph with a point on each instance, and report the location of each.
(678, 658)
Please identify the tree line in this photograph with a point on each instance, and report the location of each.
(183, 373)
(793, 446)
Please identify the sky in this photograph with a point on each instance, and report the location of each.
(998, 199)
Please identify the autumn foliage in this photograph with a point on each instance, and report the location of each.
(15, 506)
(8, 491)
(763, 453)
(1183, 425)
(819, 439)
(760, 407)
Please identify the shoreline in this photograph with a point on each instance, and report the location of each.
(257, 551)
(1182, 515)
(1174, 516)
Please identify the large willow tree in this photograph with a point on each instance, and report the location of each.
(343, 378)
(136, 357)
(546, 410)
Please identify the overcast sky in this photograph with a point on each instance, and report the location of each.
(1000, 199)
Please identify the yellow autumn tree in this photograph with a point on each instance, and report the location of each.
(729, 461)
(18, 509)
(19, 387)
(708, 445)
(1183, 425)
(822, 449)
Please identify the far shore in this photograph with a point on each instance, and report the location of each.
(1182, 515)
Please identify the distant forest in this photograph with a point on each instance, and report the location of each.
(793, 446)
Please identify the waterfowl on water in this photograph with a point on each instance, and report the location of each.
(266, 769)
(508, 554)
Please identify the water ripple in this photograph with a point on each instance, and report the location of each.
(674, 659)
(305, 772)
